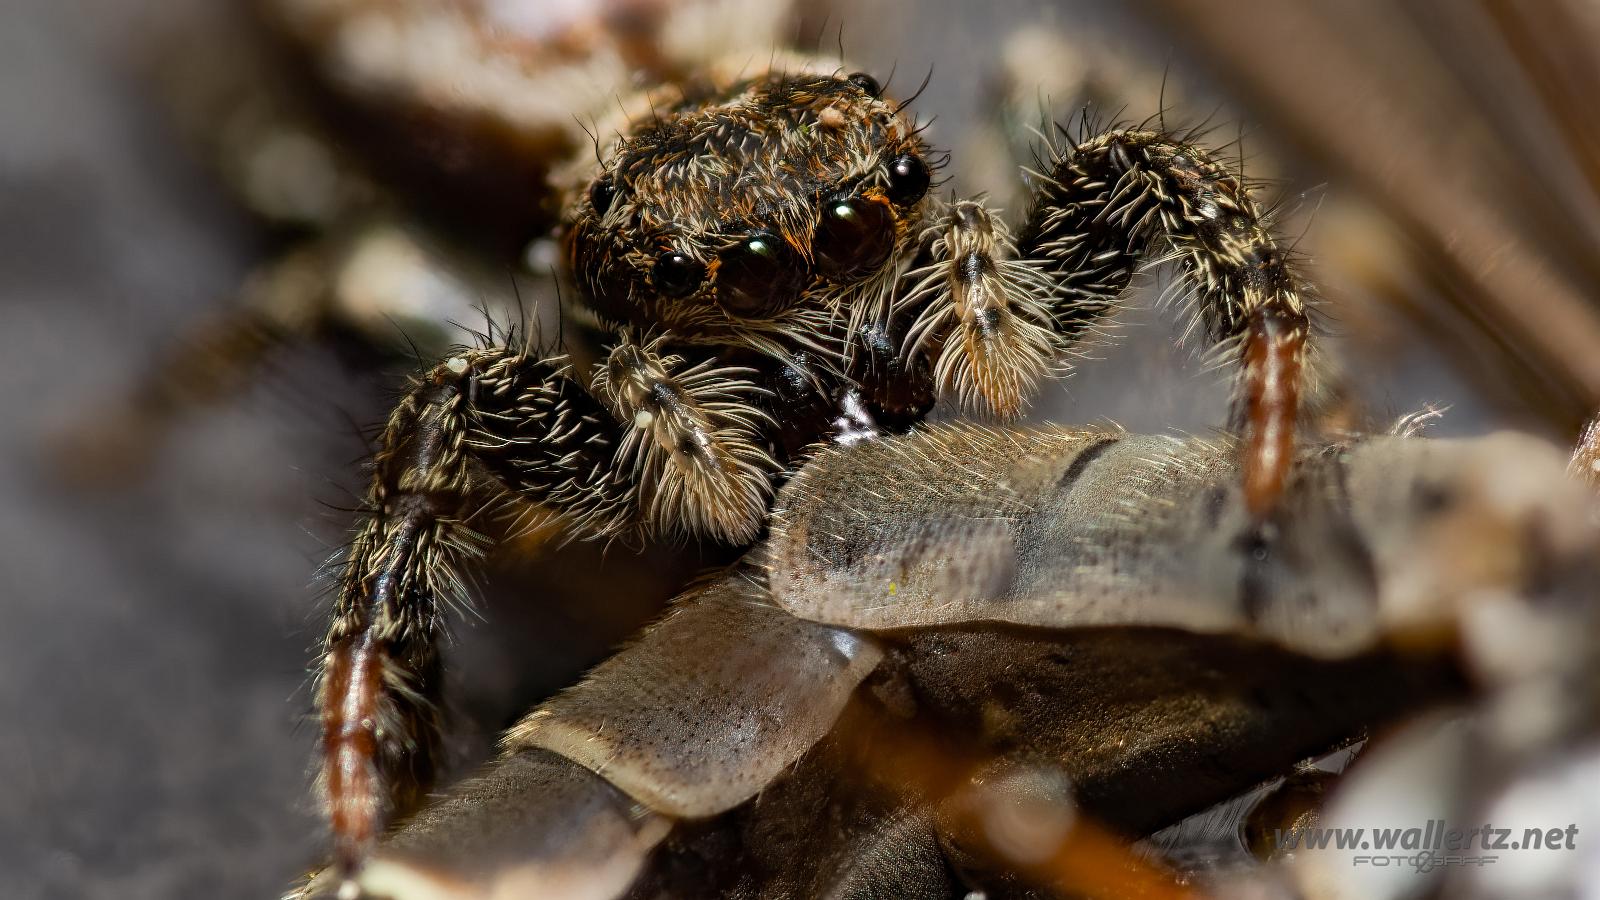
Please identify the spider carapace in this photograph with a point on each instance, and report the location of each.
(767, 266)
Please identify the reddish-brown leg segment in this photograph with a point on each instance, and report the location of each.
(350, 748)
(1268, 405)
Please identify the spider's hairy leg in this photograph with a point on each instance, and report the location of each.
(984, 313)
(497, 431)
(380, 671)
(1124, 195)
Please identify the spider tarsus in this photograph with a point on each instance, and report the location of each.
(1269, 405)
(350, 750)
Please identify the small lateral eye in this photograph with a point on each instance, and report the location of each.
(601, 193)
(760, 275)
(855, 236)
(908, 178)
(865, 82)
(676, 274)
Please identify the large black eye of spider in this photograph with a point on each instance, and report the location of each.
(760, 275)
(675, 274)
(601, 193)
(908, 178)
(855, 236)
(865, 82)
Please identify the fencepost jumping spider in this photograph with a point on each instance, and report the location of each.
(767, 266)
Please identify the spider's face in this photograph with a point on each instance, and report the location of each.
(761, 209)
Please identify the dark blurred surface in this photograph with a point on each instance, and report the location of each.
(156, 636)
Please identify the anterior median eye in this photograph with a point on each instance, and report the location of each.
(855, 236)
(760, 275)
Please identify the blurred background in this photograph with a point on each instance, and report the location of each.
(1436, 163)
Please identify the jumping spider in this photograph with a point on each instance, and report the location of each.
(768, 268)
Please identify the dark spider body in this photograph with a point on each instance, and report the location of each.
(765, 270)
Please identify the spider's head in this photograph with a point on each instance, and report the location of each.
(766, 208)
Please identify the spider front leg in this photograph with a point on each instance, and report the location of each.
(654, 445)
(1124, 195)
(1107, 204)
